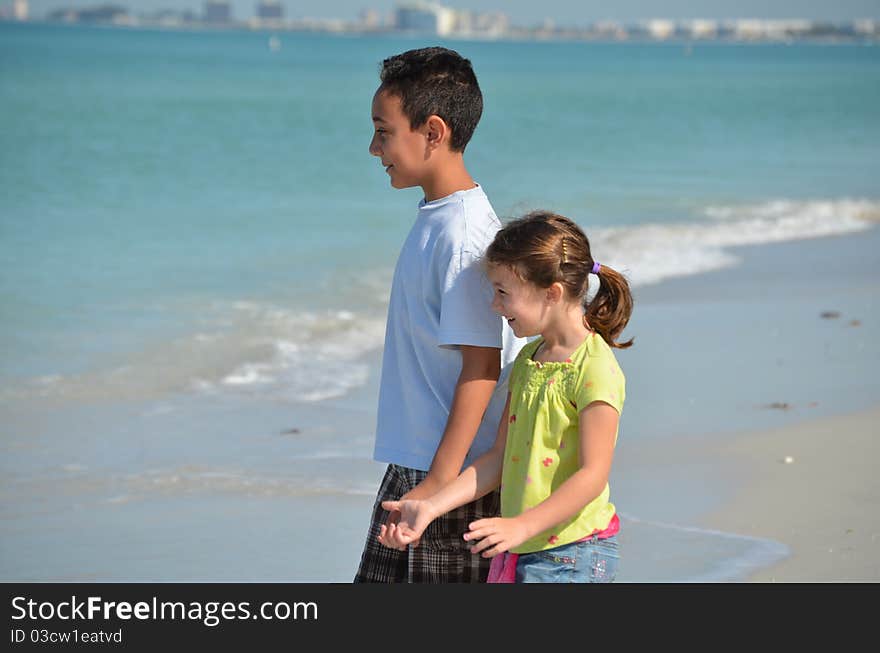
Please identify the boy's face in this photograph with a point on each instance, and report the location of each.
(403, 150)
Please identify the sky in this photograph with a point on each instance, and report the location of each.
(527, 12)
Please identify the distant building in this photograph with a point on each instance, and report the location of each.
(660, 29)
(218, 11)
(492, 24)
(170, 18)
(465, 21)
(777, 30)
(20, 10)
(270, 10)
(104, 14)
(610, 29)
(428, 17)
(369, 18)
(701, 29)
(865, 26)
(749, 29)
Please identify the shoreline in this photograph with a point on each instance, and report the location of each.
(696, 478)
(739, 370)
(811, 486)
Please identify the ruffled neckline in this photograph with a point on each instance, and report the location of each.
(550, 365)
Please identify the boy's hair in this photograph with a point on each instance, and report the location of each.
(543, 248)
(435, 81)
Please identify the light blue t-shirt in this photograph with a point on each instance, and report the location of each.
(440, 298)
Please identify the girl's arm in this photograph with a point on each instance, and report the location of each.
(475, 481)
(597, 428)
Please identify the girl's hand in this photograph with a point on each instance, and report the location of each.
(390, 536)
(496, 535)
(415, 515)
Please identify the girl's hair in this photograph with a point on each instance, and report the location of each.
(543, 248)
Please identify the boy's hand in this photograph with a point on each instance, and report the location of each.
(496, 535)
(413, 517)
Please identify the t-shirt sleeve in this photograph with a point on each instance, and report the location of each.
(466, 316)
(601, 380)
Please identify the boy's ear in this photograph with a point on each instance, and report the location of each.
(436, 131)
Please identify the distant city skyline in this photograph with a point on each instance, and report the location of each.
(523, 12)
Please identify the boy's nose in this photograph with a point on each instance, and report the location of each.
(374, 147)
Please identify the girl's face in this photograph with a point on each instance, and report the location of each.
(522, 304)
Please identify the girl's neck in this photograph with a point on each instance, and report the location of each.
(563, 337)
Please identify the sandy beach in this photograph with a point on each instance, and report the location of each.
(774, 400)
(812, 486)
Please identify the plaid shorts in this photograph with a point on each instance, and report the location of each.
(442, 556)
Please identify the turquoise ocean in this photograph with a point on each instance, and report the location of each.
(196, 252)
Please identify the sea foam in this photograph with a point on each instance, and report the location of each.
(651, 253)
(298, 354)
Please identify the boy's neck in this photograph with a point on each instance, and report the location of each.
(450, 177)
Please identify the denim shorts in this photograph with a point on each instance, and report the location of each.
(589, 561)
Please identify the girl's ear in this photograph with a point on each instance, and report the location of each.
(555, 293)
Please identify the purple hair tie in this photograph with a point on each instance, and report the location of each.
(596, 267)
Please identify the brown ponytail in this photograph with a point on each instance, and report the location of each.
(609, 311)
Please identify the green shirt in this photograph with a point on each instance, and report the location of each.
(543, 440)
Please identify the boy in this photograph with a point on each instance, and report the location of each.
(440, 397)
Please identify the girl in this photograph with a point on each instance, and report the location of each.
(556, 439)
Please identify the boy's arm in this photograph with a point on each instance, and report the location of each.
(477, 480)
(480, 369)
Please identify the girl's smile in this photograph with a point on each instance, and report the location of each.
(517, 301)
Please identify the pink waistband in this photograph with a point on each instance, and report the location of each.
(503, 567)
(612, 529)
